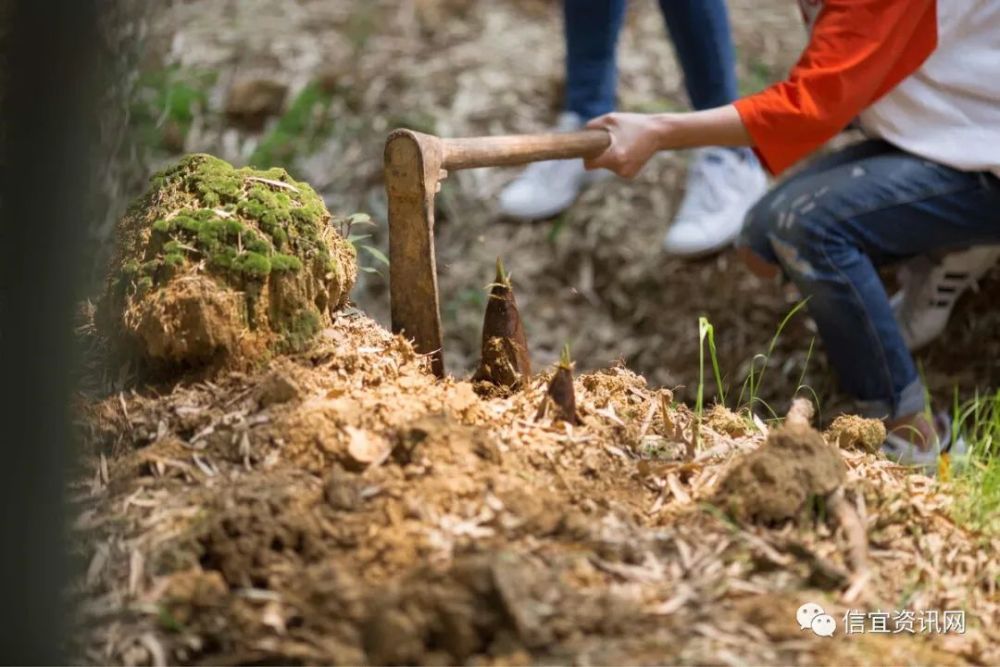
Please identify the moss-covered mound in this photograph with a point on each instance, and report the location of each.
(217, 263)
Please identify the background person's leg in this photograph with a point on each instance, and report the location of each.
(545, 189)
(722, 182)
(591, 31)
(704, 47)
(845, 221)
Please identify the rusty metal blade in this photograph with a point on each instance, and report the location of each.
(412, 168)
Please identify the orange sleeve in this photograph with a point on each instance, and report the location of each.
(859, 50)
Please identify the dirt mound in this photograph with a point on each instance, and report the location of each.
(852, 432)
(342, 505)
(215, 262)
(247, 541)
(778, 481)
(489, 604)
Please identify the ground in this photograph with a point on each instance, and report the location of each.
(343, 506)
(339, 504)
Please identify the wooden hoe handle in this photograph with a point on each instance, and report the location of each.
(414, 165)
(520, 149)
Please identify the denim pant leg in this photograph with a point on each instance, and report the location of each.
(702, 41)
(704, 47)
(591, 29)
(830, 228)
(756, 226)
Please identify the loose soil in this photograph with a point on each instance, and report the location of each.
(341, 505)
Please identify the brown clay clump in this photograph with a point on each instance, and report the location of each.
(724, 420)
(257, 539)
(561, 395)
(217, 263)
(858, 433)
(783, 477)
(483, 604)
(504, 361)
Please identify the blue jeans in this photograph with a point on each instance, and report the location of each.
(830, 227)
(698, 28)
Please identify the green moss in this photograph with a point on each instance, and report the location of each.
(279, 237)
(224, 259)
(331, 265)
(236, 221)
(281, 262)
(257, 236)
(252, 264)
(187, 223)
(214, 180)
(302, 328)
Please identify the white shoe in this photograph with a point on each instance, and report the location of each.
(545, 189)
(722, 185)
(924, 304)
(927, 461)
(902, 451)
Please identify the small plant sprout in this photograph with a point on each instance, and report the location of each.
(346, 226)
(750, 392)
(560, 392)
(505, 361)
(706, 332)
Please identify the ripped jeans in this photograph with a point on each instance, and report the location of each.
(830, 227)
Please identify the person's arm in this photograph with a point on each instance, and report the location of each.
(859, 50)
(636, 137)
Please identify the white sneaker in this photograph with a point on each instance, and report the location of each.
(545, 189)
(927, 461)
(722, 185)
(930, 291)
(902, 451)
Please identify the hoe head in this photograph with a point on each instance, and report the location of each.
(415, 164)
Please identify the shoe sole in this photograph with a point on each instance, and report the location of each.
(702, 253)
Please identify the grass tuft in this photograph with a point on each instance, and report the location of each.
(977, 486)
(751, 386)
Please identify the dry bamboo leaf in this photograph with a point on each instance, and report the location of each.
(675, 488)
(136, 566)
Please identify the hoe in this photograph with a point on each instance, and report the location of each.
(415, 165)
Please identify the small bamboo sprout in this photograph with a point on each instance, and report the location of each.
(560, 392)
(505, 361)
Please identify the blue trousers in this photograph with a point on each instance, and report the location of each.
(830, 227)
(700, 33)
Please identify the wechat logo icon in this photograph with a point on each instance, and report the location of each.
(812, 617)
